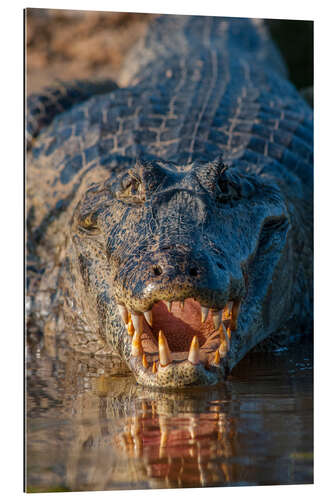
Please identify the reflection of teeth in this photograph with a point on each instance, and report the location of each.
(193, 427)
(144, 408)
(135, 427)
(163, 350)
(144, 361)
(217, 315)
(204, 313)
(135, 431)
(164, 438)
(137, 320)
(164, 435)
(234, 315)
(154, 367)
(136, 345)
(123, 313)
(193, 355)
(130, 327)
(149, 317)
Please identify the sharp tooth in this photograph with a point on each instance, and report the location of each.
(163, 350)
(149, 317)
(123, 313)
(136, 345)
(222, 331)
(137, 320)
(217, 358)
(169, 306)
(193, 355)
(234, 315)
(144, 361)
(182, 304)
(130, 327)
(223, 350)
(225, 344)
(204, 313)
(154, 367)
(227, 310)
(229, 332)
(217, 318)
(224, 337)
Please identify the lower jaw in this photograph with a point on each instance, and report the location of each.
(178, 375)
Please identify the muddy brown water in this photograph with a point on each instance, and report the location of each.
(88, 429)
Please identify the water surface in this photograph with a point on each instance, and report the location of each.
(88, 429)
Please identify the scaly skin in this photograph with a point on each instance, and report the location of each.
(193, 182)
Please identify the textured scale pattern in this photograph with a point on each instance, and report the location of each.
(196, 88)
(209, 99)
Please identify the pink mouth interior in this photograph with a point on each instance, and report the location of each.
(180, 325)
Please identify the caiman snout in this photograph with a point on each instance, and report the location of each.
(177, 266)
(177, 308)
(192, 269)
(172, 275)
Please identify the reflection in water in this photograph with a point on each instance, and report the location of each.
(88, 429)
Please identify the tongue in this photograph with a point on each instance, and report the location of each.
(181, 325)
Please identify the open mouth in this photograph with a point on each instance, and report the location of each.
(178, 337)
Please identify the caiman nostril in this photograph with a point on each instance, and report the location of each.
(157, 270)
(193, 271)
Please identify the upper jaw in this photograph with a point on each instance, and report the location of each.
(203, 362)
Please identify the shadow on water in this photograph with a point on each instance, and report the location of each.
(88, 429)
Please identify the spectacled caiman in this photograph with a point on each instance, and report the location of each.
(169, 221)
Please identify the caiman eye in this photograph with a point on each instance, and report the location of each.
(88, 223)
(132, 190)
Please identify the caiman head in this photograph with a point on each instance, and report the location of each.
(184, 266)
